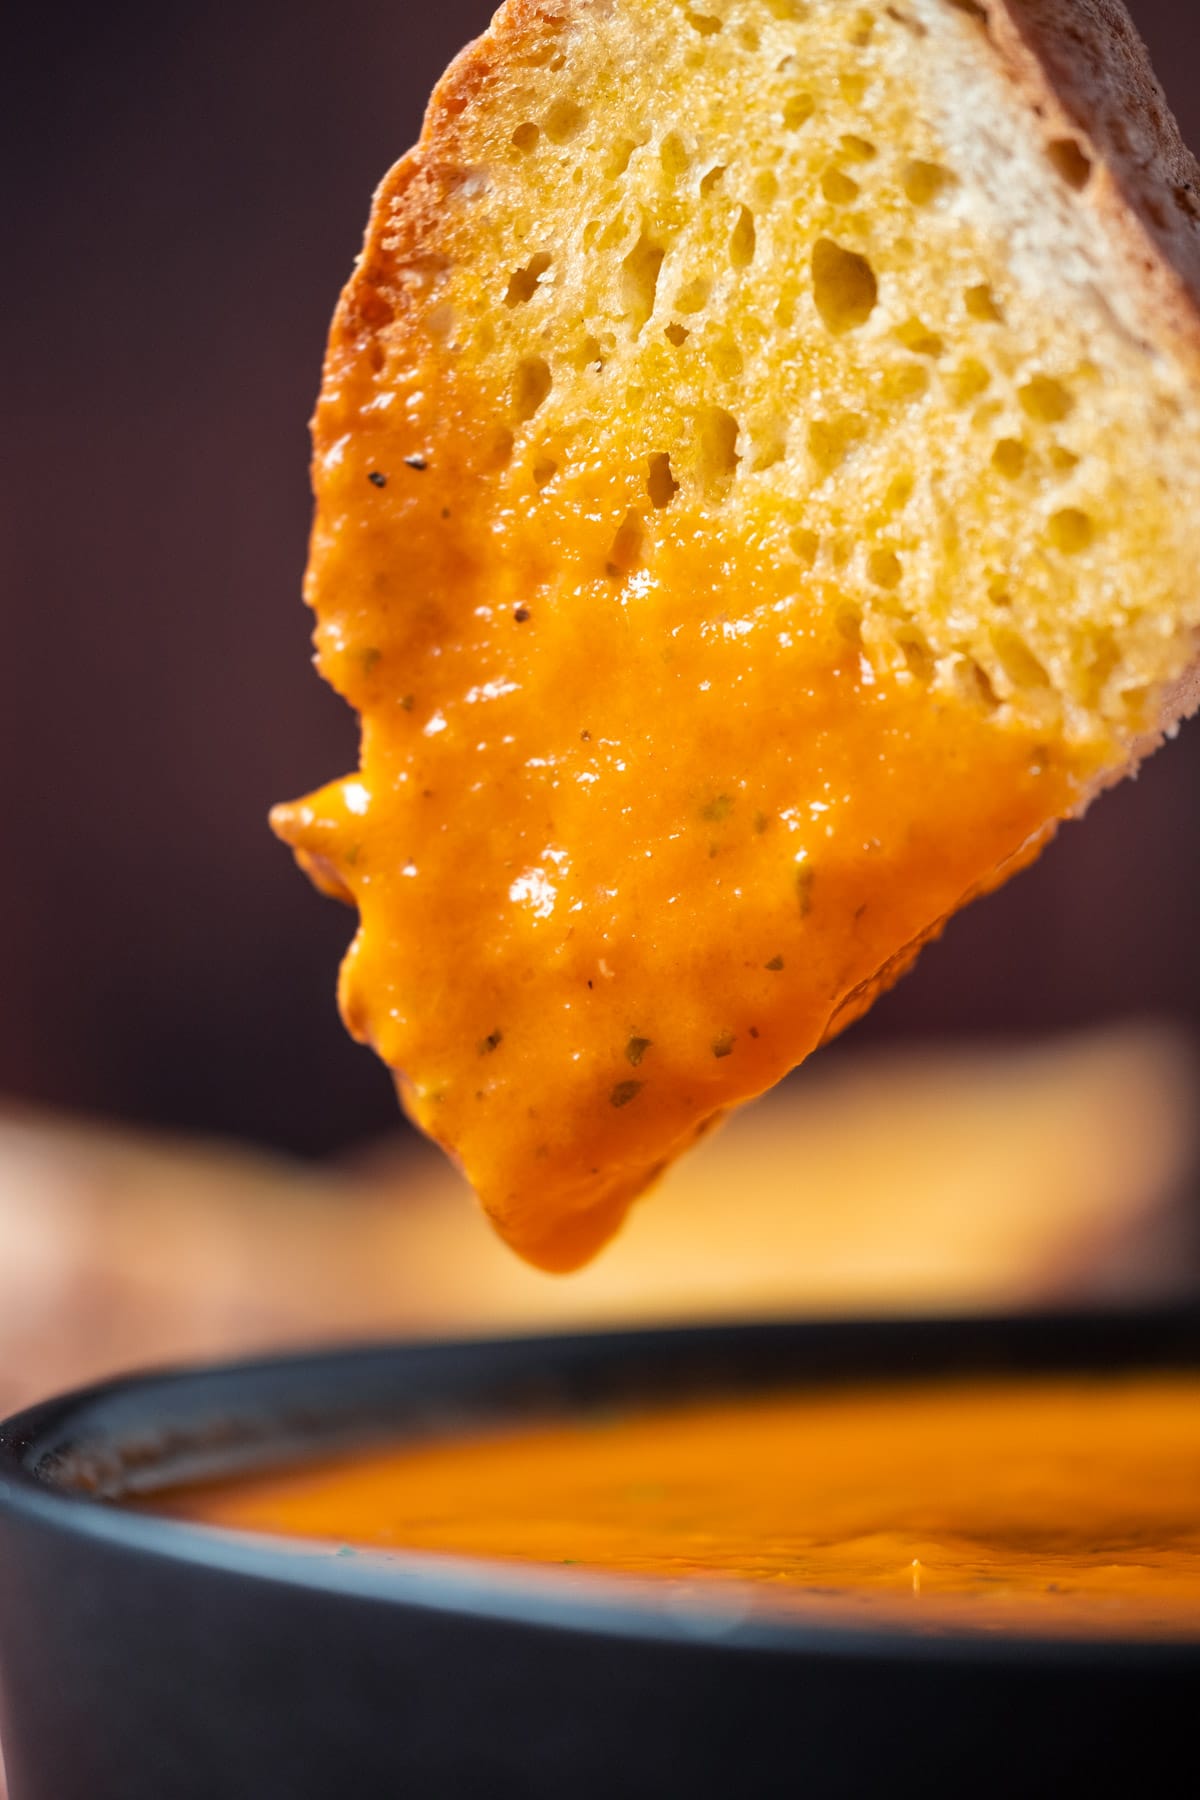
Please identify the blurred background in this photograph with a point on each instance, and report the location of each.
(188, 185)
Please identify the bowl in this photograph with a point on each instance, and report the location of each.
(143, 1658)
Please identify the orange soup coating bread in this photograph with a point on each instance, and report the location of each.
(758, 496)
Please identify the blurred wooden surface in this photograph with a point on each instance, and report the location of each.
(927, 1181)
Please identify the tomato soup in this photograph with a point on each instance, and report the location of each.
(1026, 1504)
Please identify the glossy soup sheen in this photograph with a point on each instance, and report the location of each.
(1033, 1505)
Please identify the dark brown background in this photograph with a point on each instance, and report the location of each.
(189, 185)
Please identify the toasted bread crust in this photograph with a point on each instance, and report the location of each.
(403, 244)
(1083, 72)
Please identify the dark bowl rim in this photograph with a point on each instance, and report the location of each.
(547, 1598)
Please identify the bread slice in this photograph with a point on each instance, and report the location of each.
(758, 496)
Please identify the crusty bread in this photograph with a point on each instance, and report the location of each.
(758, 479)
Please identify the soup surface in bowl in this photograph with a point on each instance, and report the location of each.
(1048, 1504)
